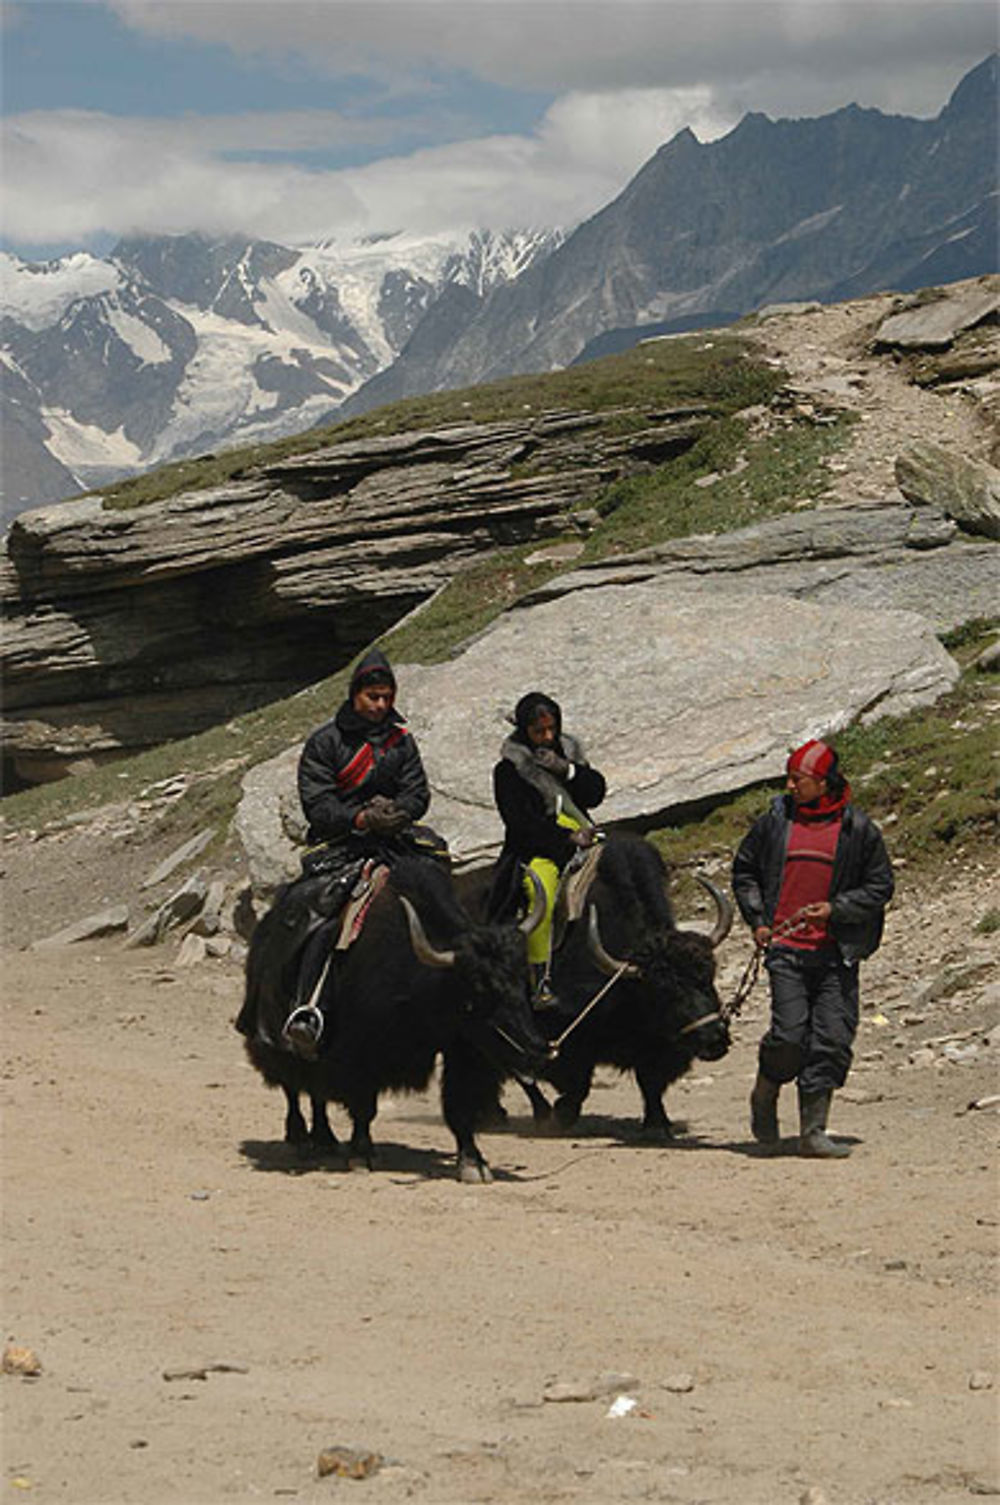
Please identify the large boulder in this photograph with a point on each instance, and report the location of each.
(965, 489)
(933, 324)
(126, 628)
(681, 689)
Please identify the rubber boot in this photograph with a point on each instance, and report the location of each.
(814, 1141)
(764, 1110)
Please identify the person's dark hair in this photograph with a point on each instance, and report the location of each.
(372, 677)
(528, 709)
(835, 781)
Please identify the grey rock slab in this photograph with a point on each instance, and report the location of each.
(209, 922)
(185, 853)
(174, 911)
(104, 922)
(967, 490)
(882, 556)
(933, 326)
(270, 846)
(681, 691)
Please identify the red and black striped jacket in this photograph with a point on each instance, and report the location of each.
(347, 760)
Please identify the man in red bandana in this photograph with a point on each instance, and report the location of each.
(812, 878)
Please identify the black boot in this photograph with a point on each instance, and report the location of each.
(764, 1110)
(814, 1141)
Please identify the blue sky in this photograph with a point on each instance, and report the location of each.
(307, 119)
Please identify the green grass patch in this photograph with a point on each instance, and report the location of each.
(713, 370)
(756, 479)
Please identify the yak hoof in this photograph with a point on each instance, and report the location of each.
(566, 1113)
(473, 1172)
(656, 1134)
(361, 1164)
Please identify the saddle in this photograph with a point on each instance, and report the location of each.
(575, 883)
(369, 885)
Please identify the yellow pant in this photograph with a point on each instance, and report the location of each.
(540, 939)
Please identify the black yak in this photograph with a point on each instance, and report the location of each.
(663, 1010)
(421, 980)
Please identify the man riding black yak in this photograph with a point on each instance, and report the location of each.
(363, 789)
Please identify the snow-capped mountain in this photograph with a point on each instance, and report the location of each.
(176, 345)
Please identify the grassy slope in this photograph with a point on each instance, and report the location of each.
(930, 780)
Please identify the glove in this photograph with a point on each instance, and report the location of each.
(384, 818)
(546, 758)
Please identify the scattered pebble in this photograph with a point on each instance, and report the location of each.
(592, 1389)
(20, 1360)
(980, 1379)
(348, 1463)
(203, 1371)
(622, 1405)
(896, 1403)
(678, 1384)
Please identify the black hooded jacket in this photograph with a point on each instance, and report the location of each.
(348, 760)
(861, 886)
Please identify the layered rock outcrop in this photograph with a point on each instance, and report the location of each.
(128, 627)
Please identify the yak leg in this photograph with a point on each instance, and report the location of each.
(296, 1131)
(322, 1136)
(361, 1151)
(541, 1108)
(575, 1087)
(656, 1126)
(466, 1083)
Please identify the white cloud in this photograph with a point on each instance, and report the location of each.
(71, 175)
(903, 54)
(624, 75)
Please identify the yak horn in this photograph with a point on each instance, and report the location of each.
(607, 963)
(422, 948)
(536, 913)
(724, 919)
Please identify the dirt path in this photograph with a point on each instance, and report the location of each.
(789, 1326)
(828, 358)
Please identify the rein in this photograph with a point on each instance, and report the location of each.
(581, 1016)
(751, 971)
(514, 1044)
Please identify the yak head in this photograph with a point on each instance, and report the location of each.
(672, 973)
(492, 984)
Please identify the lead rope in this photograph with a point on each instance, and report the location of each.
(751, 971)
(581, 1016)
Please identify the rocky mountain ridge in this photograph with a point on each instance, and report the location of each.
(831, 208)
(174, 345)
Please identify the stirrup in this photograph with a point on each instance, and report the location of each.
(543, 1000)
(303, 1029)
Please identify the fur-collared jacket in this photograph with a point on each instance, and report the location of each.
(524, 798)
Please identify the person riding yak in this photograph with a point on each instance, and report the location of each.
(362, 787)
(544, 789)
